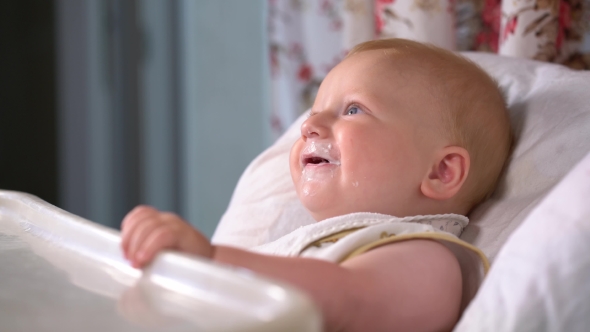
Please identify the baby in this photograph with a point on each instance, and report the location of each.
(397, 128)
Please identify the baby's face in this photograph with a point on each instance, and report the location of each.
(369, 141)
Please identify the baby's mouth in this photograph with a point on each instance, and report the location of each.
(319, 154)
(315, 161)
(319, 163)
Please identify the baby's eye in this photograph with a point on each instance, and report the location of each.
(352, 110)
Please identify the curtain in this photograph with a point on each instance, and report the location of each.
(307, 38)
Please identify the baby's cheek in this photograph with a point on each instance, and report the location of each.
(294, 162)
(294, 154)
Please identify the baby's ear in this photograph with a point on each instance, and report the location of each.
(447, 173)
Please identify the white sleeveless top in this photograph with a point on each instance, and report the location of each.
(341, 238)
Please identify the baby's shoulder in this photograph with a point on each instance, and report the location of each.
(415, 278)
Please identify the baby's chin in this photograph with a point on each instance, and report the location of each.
(321, 209)
(327, 214)
(316, 206)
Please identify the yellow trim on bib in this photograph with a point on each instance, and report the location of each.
(331, 238)
(424, 235)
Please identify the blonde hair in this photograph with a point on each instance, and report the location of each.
(475, 114)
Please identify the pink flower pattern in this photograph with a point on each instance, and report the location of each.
(379, 17)
(510, 27)
(557, 27)
(564, 22)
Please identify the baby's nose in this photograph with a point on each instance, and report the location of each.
(307, 130)
(312, 128)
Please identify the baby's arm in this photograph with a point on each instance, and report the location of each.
(407, 286)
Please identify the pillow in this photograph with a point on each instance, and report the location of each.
(550, 114)
(539, 281)
(264, 205)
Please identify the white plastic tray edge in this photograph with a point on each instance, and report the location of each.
(281, 306)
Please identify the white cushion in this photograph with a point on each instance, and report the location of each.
(264, 205)
(550, 114)
(540, 280)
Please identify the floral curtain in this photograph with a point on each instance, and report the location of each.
(309, 37)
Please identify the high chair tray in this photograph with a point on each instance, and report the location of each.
(59, 272)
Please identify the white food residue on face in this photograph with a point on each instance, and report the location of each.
(310, 174)
(322, 150)
(313, 174)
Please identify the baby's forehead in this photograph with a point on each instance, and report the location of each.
(428, 63)
(411, 69)
(443, 73)
(398, 83)
(437, 80)
(382, 64)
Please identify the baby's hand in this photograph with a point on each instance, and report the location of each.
(145, 231)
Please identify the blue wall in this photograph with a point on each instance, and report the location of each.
(225, 102)
(160, 102)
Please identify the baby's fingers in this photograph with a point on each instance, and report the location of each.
(160, 238)
(132, 220)
(139, 212)
(139, 236)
